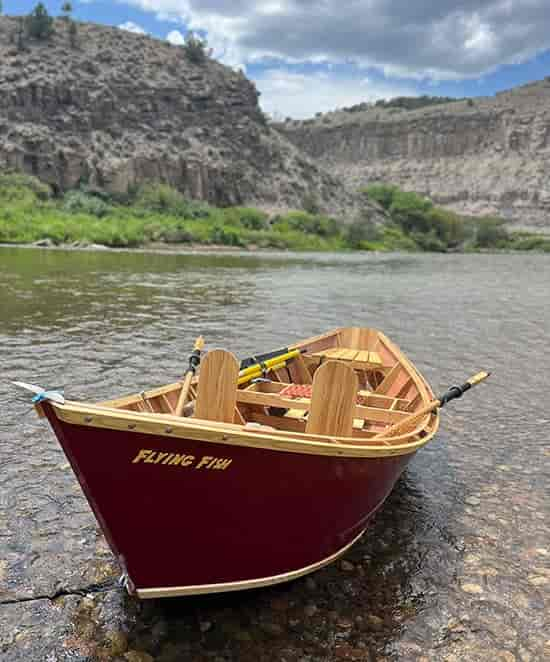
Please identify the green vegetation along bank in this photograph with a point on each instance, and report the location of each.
(156, 213)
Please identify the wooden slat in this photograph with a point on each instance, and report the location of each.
(389, 379)
(297, 413)
(362, 356)
(217, 391)
(166, 404)
(298, 371)
(333, 400)
(274, 400)
(349, 355)
(374, 357)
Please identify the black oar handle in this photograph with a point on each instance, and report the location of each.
(194, 360)
(455, 392)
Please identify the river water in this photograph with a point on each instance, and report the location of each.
(457, 563)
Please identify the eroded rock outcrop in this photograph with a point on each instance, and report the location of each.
(485, 156)
(123, 108)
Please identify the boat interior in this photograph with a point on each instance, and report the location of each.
(349, 382)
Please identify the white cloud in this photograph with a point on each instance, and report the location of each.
(130, 26)
(296, 95)
(176, 38)
(439, 39)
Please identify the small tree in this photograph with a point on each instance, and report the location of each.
(21, 33)
(195, 48)
(67, 10)
(39, 23)
(0, 6)
(73, 34)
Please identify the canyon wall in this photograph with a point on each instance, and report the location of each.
(488, 155)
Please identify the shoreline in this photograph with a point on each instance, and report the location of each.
(167, 248)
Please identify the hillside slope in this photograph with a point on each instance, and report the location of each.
(121, 109)
(485, 156)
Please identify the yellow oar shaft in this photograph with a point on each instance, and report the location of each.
(270, 363)
(258, 373)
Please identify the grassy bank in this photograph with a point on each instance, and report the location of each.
(157, 213)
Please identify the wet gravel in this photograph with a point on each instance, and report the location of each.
(456, 566)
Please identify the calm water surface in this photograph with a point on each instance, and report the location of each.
(456, 565)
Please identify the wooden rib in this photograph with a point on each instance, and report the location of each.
(166, 403)
(405, 388)
(239, 418)
(389, 379)
(217, 391)
(131, 399)
(298, 371)
(333, 400)
(414, 404)
(275, 400)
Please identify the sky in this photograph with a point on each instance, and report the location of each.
(309, 56)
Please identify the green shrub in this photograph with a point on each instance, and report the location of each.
(17, 186)
(382, 193)
(361, 231)
(161, 198)
(195, 48)
(491, 233)
(39, 23)
(248, 217)
(226, 235)
(308, 223)
(410, 211)
(80, 202)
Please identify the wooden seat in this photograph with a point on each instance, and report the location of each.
(333, 401)
(217, 389)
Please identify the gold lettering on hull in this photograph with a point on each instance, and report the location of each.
(207, 462)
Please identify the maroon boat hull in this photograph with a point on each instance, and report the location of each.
(187, 513)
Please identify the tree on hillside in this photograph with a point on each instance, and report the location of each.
(73, 34)
(0, 6)
(20, 36)
(39, 23)
(195, 48)
(66, 10)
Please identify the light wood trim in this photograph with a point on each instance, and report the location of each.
(333, 400)
(275, 400)
(389, 379)
(126, 400)
(217, 390)
(165, 425)
(298, 371)
(198, 589)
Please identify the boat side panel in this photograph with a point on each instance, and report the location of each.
(185, 512)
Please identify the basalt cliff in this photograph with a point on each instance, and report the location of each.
(485, 156)
(116, 109)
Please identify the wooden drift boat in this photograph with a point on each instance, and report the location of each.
(273, 470)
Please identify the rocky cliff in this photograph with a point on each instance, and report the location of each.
(485, 156)
(121, 108)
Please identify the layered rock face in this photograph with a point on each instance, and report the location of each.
(487, 156)
(121, 109)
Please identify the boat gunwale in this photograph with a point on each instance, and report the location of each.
(77, 413)
(167, 425)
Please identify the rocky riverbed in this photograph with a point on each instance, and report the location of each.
(457, 563)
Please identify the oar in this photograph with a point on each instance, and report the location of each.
(262, 365)
(454, 392)
(194, 360)
(243, 379)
